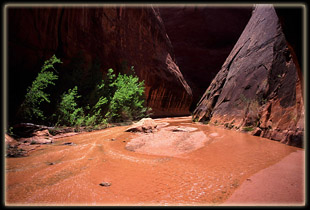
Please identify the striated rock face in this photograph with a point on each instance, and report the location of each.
(202, 38)
(258, 87)
(89, 41)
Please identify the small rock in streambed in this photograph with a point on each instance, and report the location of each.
(68, 143)
(105, 184)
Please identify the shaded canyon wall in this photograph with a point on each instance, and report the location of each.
(202, 38)
(89, 41)
(259, 85)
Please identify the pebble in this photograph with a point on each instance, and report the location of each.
(69, 143)
(105, 184)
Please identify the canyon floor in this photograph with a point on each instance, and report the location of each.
(181, 163)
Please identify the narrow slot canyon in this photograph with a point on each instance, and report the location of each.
(155, 105)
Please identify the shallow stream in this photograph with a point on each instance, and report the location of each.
(60, 174)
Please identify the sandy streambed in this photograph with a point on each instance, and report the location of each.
(201, 165)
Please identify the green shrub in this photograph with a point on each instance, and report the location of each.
(69, 113)
(96, 112)
(30, 108)
(10, 131)
(127, 102)
(95, 117)
(113, 99)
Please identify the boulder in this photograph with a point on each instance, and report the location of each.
(29, 129)
(146, 125)
(9, 139)
(38, 137)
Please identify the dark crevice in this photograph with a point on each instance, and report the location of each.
(214, 100)
(263, 66)
(247, 87)
(222, 84)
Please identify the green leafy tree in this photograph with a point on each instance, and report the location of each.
(68, 112)
(127, 102)
(114, 99)
(118, 98)
(30, 108)
(96, 115)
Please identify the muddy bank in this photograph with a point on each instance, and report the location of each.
(60, 174)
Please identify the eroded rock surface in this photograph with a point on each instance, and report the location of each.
(168, 141)
(258, 86)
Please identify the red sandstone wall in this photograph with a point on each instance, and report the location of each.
(259, 84)
(116, 37)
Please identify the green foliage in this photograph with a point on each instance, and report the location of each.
(112, 99)
(68, 111)
(30, 109)
(96, 115)
(83, 73)
(119, 98)
(127, 102)
(10, 131)
(109, 83)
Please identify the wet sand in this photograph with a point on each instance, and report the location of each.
(60, 174)
(279, 184)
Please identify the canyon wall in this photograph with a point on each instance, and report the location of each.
(202, 38)
(259, 87)
(89, 41)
